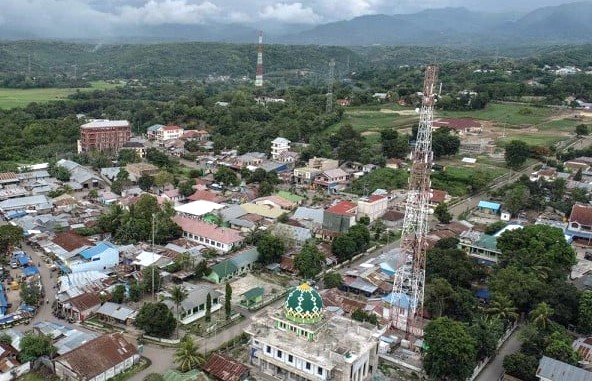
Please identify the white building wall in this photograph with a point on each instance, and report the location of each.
(224, 247)
(373, 210)
(106, 260)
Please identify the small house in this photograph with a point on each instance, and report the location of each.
(252, 296)
(488, 207)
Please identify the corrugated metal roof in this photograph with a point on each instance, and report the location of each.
(555, 370)
(489, 205)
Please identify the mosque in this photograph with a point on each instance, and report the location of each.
(302, 341)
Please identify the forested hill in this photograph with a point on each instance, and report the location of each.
(167, 60)
(73, 61)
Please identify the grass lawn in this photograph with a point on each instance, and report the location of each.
(532, 139)
(503, 113)
(11, 98)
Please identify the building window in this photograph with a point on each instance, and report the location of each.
(320, 371)
(307, 365)
(268, 349)
(279, 354)
(290, 358)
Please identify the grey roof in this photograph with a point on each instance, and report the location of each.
(154, 127)
(555, 370)
(271, 165)
(245, 257)
(42, 174)
(110, 172)
(232, 212)
(297, 233)
(78, 173)
(73, 339)
(313, 214)
(22, 202)
(362, 285)
(117, 311)
(195, 297)
(242, 223)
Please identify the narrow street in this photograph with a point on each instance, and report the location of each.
(495, 368)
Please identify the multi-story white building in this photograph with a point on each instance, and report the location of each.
(169, 132)
(373, 206)
(279, 145)
(303, 342)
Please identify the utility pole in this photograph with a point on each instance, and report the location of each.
(153, 264)
(329, 107)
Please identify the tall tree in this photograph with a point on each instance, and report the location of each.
(442, 214)
(516, 154)
(516, 199)
(156, 320)
(228, 300)
(444, 143)
(208, 308)
(187, 356)
(10, 236)
(541, 316)
(178, 295)
(451, 353)
(34, 346)
(501, 308)
(309, 261)
(270, 248)
(585, 313)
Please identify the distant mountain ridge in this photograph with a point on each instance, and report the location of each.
(457, 27)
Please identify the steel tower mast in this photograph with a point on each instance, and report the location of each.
(409, 280)
(259, 76)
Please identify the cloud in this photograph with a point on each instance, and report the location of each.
(156, 12)
(290, 13)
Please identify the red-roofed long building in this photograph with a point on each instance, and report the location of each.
(580, 221)
(340, 217)
(169, 132)
(219, 238)
(460, 126)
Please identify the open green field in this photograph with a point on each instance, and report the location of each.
(374, 119)
(504, 113)
(11, 98)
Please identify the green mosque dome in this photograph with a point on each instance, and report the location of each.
(304, 305)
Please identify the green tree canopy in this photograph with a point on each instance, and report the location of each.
(585, 313)
(451, 351)
(187, 356)
(521, 365)
(10, 236)
(309, 261)
(156, 320)
(332, 279)
(516, 154)
(270, 248)
(537, 247)
(444, 143)
(442, 214)
(34, 346)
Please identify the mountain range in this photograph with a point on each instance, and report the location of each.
(458, 27)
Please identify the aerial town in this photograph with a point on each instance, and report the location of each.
(291, 211)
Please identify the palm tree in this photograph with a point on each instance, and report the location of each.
(178, 295)
(541, 316)
(187, 356)
(502, 308)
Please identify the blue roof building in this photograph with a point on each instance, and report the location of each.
(489, 207)
(103, 257)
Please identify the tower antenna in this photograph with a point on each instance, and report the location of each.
(259, 76)
(329, 107)
(409, 281)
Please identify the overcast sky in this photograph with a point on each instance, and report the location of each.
(84, 17)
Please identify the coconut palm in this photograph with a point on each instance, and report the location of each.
(178, 295)
(541, 316)
(187, 355)
(502, 308)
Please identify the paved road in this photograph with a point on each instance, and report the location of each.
(495, 369)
